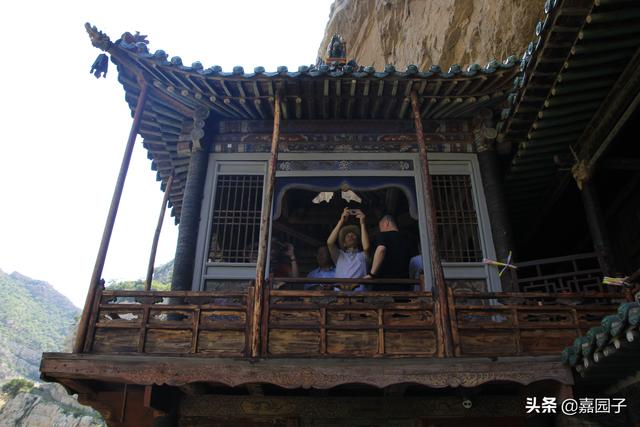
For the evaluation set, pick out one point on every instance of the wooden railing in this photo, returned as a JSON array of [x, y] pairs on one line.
[[173, 322], [573, 273], [349, 325], [513, 324], [329, 323], [342, 321]]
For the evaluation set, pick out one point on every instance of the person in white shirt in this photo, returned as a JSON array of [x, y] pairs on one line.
[[350, 261], [416, 268], [325, 269]]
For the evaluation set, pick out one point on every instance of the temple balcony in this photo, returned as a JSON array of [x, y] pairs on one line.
[[343, 323], [143, 349]]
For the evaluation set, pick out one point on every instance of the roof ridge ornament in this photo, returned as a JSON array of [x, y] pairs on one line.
[[98, 38], [337, 50], [100, 66], [127, 37]]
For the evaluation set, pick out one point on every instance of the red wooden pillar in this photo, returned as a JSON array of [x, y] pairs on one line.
[[443, 320], [265, 220]]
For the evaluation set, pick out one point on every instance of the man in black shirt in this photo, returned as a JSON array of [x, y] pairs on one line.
[[391, 255]]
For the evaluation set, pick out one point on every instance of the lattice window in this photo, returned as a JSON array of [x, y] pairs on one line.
[[236, 219], [456, 218]]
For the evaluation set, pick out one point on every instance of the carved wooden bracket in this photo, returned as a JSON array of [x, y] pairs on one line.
[[296, 373]]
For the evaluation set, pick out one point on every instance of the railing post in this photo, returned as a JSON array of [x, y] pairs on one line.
[[265, 220], [111, 218], [95, 309], [264, 328], [443, 320], [453, 317], [248, 330]]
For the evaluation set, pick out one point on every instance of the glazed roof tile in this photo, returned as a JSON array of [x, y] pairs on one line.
[[604, 350], [160, 57]]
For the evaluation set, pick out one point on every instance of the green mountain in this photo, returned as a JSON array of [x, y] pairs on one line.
[[34, 318], [161, 280], [163, 273]]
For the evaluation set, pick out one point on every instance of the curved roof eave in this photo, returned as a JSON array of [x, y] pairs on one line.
[[180, 94]]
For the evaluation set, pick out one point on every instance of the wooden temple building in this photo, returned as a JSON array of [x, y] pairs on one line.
[[531, 162]]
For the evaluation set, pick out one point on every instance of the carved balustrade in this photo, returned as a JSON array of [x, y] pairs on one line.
[[343, 321], [333, 318], [523, 323], [171, 322]]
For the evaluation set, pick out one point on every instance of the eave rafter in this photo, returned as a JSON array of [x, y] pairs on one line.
[[581, 57]]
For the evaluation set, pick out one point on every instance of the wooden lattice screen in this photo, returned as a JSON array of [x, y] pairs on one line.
[[456, 217], [236, 219]]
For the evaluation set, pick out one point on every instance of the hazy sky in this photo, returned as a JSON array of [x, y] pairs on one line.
[[64, 132]]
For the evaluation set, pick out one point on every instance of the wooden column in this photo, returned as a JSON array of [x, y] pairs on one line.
[[597, 228], [156, 235], [443, 320], [111, 219], [496, 203], [265, 220], [184, 261]]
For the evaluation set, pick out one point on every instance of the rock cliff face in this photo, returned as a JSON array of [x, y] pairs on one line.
[[47, 406], [426, 32]]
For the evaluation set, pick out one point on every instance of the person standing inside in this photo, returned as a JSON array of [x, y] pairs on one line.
[[350, 261], [390, 255]]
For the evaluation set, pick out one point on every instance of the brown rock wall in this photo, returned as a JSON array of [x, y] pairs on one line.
[[425, 32]]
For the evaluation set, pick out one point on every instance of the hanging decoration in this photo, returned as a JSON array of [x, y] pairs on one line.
[[323, 196], [503, 265]]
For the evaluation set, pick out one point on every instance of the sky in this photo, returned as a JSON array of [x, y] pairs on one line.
[[63, 132]]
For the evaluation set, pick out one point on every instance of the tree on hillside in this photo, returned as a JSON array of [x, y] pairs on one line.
[[17, 385]]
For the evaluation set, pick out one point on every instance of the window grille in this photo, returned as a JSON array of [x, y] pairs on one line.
[[236, 219], [456, 219]]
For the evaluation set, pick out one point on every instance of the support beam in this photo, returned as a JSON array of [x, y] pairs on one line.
[[156, 235], [265, 219], [189, 221], [612, 114], [597, 229], [445, 341], [111, 219]]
